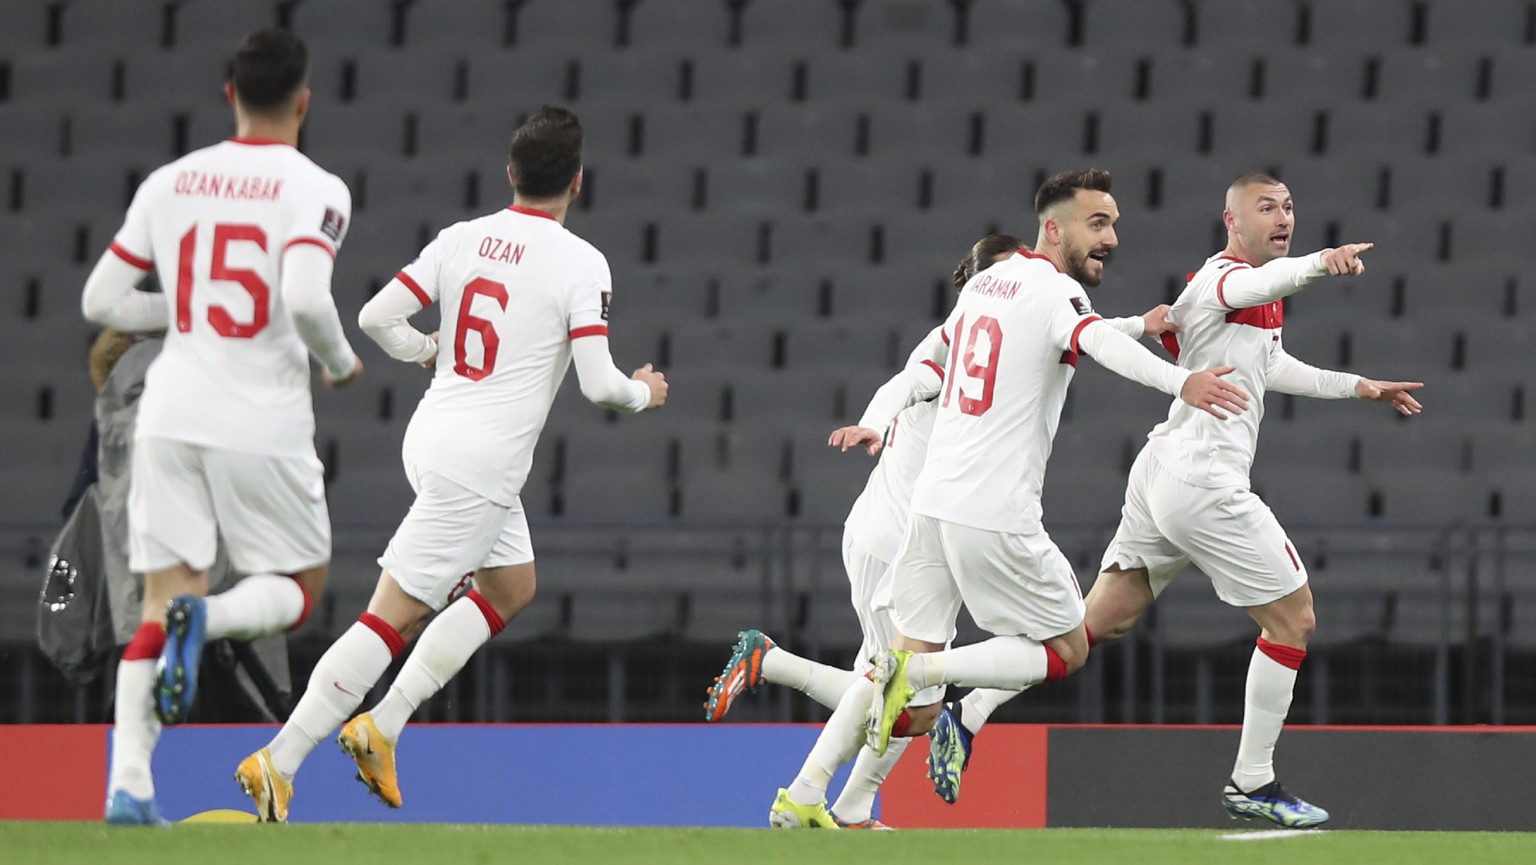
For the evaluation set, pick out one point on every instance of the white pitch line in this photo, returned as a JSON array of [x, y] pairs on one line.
[[1272, 834]]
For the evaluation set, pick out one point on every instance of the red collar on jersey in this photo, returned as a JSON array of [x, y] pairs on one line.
[[260, 142], [1236, 259], [530, 211], [1029, 253]]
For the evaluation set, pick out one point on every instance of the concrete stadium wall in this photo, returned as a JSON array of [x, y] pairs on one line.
[[1023, 776]]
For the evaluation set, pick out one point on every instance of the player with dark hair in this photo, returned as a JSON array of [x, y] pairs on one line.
[[243, 234], [1011, 346], [521, 298]]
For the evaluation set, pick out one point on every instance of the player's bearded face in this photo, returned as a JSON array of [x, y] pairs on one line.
[[1089, 238]]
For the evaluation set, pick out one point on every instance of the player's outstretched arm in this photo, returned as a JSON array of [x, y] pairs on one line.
[[603, 384], [920, 379], [306, 291], [1286, 374], [1245, 287], [1124, 356], [111, 297], [1398, 394], [385, 319]]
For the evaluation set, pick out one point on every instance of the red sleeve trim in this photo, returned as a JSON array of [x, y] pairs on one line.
[[1077, 331], [937, 370], [944, 336], [120, 251], [310, 241], [590, 330], [1221, 298], [415, 287]]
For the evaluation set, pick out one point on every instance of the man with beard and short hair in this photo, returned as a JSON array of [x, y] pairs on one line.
[[1012, 343]]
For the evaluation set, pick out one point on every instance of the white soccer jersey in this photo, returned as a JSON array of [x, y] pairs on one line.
[[879, 515], [516, 288], [214, 225], [1230, 314], [1013, 343]]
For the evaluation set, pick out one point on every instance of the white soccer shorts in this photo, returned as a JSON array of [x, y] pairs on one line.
[[1013, 584], [182, 497], [1228, 533], [869, 579], [449, 533]]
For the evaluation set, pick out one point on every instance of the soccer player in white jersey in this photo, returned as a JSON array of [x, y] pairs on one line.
[[243, 235], [521, 296], [974, 536], [1188, 497], [896, 426]]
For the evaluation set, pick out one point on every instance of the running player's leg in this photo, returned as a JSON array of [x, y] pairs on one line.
[[855, 805], [273, 517], [1235, 539], [172, 541], [756, 659], [1020, 587], [922, 585]]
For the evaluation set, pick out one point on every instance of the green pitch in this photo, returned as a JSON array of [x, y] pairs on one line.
[[378, 844]]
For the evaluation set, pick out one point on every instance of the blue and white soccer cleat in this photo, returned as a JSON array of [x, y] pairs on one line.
[[949, 752], [186, 630], [124, 810], [1271, 802]]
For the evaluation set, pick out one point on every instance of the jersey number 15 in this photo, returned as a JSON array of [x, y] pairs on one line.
[[223, 323]]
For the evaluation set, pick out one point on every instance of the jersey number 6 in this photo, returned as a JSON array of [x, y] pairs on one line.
[[489, 341], [223, 323], [986, 372]]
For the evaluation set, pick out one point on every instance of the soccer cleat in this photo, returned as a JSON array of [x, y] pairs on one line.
[[871, 823], [949, 752], [375, 756], [124, 810], [892, 694], [743, 672], [786, 813], [1271, 802], [269, 791], [186, 630]]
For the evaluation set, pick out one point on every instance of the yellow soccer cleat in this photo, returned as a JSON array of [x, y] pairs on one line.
[[892, 694], [786, 813], [375, 756], [269, 791]]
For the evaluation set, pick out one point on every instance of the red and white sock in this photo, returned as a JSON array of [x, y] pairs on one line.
[[258, 605], [135, 729], [822, 683], [341, 679], [1271, 679], [443, 650], [857, 801], [839, 741], [1008, 663]]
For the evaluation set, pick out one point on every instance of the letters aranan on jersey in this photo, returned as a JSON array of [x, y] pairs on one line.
[[229, 188], [991, 286], [496, 249]]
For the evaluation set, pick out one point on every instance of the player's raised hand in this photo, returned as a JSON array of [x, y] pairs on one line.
[[339, 383], [1207, 391], [1345, 260], [1398, 393], [1155, 321], [656, 382], [857, 436]]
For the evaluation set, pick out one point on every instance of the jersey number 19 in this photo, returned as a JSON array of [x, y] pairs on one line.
[[986, 372]]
